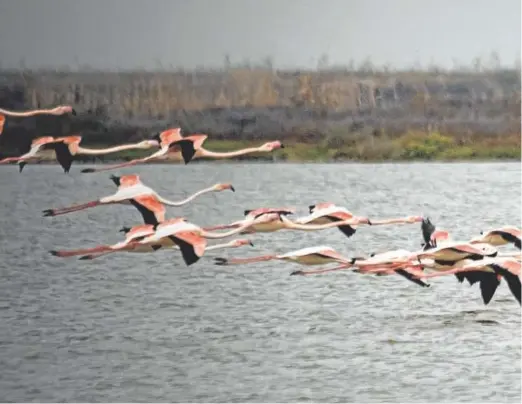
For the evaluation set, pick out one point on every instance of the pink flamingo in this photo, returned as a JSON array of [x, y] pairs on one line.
[[60, 110], [66, 148], [328, 212], [501, 236], [275, 219], [131, 191], [171, 142], [305, 256], [190, 238], [135, 233], [490, 271]]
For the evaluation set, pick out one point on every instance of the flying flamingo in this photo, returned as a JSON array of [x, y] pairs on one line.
[[132, 191], [275, 219], [492, 269], [190, 238], [171, 141], [60, 110], [387, 263], [37, 145], [501, 236], [327, 212], [135, 233], [305, 256], [66, 148]]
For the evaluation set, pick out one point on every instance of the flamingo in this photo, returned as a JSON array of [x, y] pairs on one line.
[[59, 110], [387, 263], [132, 191], [190, 238], [37, 145], [135, 233], [275, 219], [306, 256], [492, 269], [66, 148], [171, 141], [501, 236], [328, 212]]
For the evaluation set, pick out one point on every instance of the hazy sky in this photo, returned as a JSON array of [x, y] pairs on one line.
[[139, 33]]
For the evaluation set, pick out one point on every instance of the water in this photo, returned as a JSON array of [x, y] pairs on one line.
[[144, 327]]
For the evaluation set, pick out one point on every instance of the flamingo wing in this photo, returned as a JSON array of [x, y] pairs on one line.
[[188, 146], [63, 155], [191, 244], [151, 209], [509, 235], [512, 280], [488, 285], [169, 136], [428, 228]]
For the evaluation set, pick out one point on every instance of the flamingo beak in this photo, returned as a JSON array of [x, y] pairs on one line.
[[282, 146], [232, 188], [251, 244], [73, 112]]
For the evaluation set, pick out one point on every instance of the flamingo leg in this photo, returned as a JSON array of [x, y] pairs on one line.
[[71, 253], [236, 261], [74, 208], [322, 270]]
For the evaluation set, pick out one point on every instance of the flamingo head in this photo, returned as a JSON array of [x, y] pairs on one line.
[[223, 187], [241, 242], [269, 146], [148, 144], [364, 220], [413, 219], [63, 109]]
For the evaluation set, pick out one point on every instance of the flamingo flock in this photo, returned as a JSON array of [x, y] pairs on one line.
[[476, 260]]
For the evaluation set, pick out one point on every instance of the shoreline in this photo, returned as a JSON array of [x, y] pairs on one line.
[[268, 162]]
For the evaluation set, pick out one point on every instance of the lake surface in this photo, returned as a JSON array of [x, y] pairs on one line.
[[144, 327]]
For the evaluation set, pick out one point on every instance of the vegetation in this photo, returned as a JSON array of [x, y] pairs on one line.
[[330, 114]]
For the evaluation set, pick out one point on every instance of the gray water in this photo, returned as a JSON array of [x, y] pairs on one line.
[[144, 327]]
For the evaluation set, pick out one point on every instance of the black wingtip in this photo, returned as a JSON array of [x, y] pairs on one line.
[[88, 170], [115, 179], [220, 261], [85, 257], [48, 212], [21, 165], [124, 229], [53, 252], [297, 273]]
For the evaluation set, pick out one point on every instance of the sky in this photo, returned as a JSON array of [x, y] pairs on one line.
[[131, 34]]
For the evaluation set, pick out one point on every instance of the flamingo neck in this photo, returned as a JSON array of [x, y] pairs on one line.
[[388, 221], [186, 200], [213, 235], [26, 113], [224, 155], [114, 149], [288, 224]]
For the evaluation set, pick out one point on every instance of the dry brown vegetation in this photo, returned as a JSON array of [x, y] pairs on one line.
[[333, 106]]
